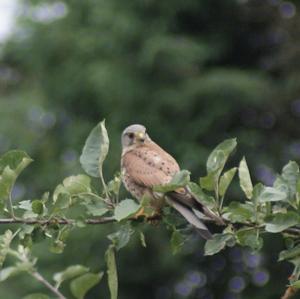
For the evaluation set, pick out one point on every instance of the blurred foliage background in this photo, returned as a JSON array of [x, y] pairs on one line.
[[193, 72]]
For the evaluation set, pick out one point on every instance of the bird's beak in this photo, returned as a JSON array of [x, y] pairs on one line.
[[140, 136]]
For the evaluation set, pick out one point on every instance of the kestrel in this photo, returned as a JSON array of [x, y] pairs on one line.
[[144, 164]]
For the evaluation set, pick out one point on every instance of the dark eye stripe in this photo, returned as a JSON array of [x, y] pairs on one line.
[[130, 135]]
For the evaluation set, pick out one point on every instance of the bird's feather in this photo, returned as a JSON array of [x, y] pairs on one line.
[[149, 165], [190, 216]]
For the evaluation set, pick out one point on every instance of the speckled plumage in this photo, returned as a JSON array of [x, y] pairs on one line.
[[145, 164]]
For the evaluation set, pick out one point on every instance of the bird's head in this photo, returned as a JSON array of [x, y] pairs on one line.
[[134, 134]]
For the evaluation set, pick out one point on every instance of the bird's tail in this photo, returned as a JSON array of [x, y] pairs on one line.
[[184, 196], [190, 216]]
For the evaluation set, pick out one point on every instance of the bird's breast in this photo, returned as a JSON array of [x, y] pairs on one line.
[[136, 190]]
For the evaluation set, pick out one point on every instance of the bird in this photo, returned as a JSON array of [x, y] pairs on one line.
[[144, 165]]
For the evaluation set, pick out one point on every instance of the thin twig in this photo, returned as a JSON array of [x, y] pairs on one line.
[[103, 183], [64, 221], [11, 207], [51, 221], [293, 230], [289, 293], [49, 286], [104, 220]]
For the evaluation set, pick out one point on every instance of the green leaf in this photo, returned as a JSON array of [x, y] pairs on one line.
[[177, 241], [269, 194], [16, 160], [143, 239], [62, 202], [272, 194], [290, 254], [239, 212], [290, 173], [215, 164], [82, 284], [76, 184], [245, 179], [125, 209], [69, 273], [25, 205], [27, 234], [73, 185], [298, 186], [171, 219], [218, 157], [215, 161], [5, 241], [95, 150], [37, 207], [282, 186], [208, 182], [250, 238], [121, 238], [257, 191], [99, 208], [114, 185], [112, 272], [296, 284], [180, 179], [289, 243], [57, 246], [282, 221], [11, 165], [7, 181], [225, 180], [9, 272], [147, 205], [200, 196], [94, 204], [36, 296], [216, 244]]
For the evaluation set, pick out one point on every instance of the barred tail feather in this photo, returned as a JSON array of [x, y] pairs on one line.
[[191, 217]]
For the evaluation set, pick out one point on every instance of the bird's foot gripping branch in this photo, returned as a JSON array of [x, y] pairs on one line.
[[261, 210]]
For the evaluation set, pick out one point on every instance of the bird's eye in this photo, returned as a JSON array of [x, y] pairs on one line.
[[130, 135]]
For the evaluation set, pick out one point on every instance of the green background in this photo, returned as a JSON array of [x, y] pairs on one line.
[[194, 72]]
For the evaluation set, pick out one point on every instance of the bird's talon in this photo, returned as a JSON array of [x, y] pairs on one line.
[[140, 213], [154, 219]]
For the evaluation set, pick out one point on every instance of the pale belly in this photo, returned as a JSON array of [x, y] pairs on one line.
[[135, 190]]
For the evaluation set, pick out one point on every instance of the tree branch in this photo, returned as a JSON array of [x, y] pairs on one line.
[[102, 220], [49, 286], [289, 293]]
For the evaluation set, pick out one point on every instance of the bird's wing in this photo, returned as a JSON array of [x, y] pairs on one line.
[[149, 167], [191, 217]]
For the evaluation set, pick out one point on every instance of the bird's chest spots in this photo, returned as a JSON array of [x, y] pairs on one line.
[[156, 159], [136, 190]]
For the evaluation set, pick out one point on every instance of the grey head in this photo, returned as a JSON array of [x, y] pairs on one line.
[[134, 134]]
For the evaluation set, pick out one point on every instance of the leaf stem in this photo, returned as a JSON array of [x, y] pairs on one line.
[[11, 207], [49, 286], [219, 208], [221, 204], [289, 293], [104, 184], [33, 272], [110, 219]]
